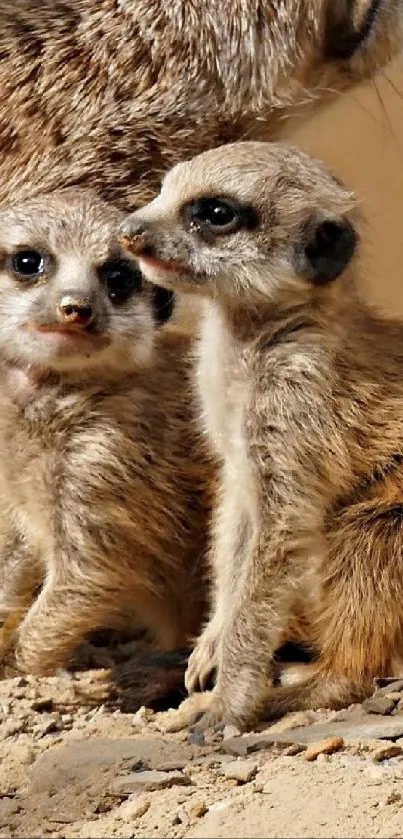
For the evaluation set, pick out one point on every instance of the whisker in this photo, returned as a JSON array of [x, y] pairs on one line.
[[394, 87], [387, 120]]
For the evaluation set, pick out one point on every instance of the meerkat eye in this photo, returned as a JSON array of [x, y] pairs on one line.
[[217, 215], [121, 278], [28, 264]]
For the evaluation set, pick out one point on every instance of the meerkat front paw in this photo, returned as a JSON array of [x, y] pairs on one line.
[[202, 662], [187, 715]]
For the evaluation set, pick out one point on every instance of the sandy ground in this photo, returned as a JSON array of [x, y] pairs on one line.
[[72, 765]]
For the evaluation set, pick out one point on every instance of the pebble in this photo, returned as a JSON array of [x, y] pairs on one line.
[[48, 726], [11, 727], [294, 749], [135, 807], [196, 737], [149, 780], [219, 805], [241, 771], [142, 716], [197, 809], [230, 731], [390, 685], [379, 703], [327, 747], [387, 751]]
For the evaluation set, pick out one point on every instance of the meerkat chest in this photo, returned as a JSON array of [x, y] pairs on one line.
[[223, 387]]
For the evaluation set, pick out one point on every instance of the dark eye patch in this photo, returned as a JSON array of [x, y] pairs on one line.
[[121, 278], [344, 40], [163, 300], [216, 215]]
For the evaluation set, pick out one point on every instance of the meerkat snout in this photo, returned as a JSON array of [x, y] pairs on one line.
[[75, 310], [261, 217]]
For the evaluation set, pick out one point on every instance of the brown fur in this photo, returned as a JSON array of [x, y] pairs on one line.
[[108, 95], [302, 397], [104, 481]]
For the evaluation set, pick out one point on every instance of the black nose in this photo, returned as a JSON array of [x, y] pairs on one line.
[[75, 309], [134, 236]]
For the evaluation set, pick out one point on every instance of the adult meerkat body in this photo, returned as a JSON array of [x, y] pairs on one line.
[[301, 393], [109, 95], [104, 484]]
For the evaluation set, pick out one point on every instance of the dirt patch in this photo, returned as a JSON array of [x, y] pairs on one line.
[[72, 766]]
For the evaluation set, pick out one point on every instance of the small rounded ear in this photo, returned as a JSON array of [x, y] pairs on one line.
[[163, 301], [324, 249]]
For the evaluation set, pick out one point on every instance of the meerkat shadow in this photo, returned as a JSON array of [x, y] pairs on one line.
[[157, 680]]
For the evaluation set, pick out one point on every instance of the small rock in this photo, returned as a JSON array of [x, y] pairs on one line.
[[219, 805], [134, 808], [8, 807], [48, 726], [20, 682], [196, 737], [107, 803], [197, 809], [140, 766], [79, 759], [367, 727], [11, 727], [389, 685], [322, 758], [230, 731], [379, 703], [142, 716], [294, 749], [241, 771], [386, 751], [327, 747], [149, 780]]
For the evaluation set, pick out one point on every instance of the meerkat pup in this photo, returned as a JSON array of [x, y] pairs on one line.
[[103, 500], [301, 387]]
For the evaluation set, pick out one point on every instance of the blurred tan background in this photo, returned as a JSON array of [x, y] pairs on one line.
[[361, 139]]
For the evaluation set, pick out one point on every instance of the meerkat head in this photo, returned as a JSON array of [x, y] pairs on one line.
[[70, 299], [356, 39], [249, 223], [317, 48]]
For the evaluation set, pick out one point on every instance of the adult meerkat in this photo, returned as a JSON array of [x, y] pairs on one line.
[[103, 482], [109, 95], [302, 397]]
